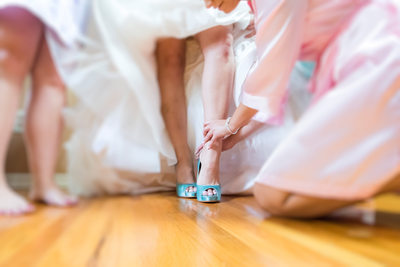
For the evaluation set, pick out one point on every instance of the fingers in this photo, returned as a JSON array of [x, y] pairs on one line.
[[206, 130], [225, 7], [227, 144], [208, 3], [198, 150], [249, 35], [217, 3], [213, 3], [208, 137], [214, 142], [252, 30]]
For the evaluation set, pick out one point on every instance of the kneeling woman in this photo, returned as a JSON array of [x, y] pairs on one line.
[[346, 147]]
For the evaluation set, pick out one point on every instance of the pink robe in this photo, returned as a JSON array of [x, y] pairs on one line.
[[347, 145]]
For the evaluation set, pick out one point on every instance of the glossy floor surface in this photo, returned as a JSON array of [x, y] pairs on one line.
[[162, 230]]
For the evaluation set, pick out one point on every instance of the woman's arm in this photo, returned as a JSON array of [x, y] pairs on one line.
[[244, 132], [280, 26], [219, 129]]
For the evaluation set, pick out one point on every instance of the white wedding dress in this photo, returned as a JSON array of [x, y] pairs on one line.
[[119, 143]]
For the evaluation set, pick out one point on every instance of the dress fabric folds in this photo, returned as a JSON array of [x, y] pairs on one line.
[[119, 143]]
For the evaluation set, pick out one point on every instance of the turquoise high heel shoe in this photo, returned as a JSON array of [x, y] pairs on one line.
[[181, 190], [202, 188]]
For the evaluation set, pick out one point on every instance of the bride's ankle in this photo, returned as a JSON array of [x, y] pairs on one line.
[[184, 172], [209, 173], [211, 155]]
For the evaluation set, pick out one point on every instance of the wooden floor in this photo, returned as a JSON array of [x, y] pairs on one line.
[[162, 230]]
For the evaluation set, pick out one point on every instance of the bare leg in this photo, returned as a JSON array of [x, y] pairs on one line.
[[288, 204], [216, 45], [171, 64], [19, 36], [44, 129]]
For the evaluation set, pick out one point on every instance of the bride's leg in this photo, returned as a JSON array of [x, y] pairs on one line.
[[20, 33], [170, 67], [216, 45], [44, 129]]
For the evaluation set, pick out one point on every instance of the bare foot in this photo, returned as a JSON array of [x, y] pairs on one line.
[[184, 175], [53, 196], [13, 204], [209, 174]]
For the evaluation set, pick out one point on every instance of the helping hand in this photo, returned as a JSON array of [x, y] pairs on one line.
[[227, 144], [251, 29], [223, 5], [213, 132]]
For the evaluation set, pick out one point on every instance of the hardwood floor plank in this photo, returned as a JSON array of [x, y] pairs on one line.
[[296, 247], [78, 241], [163, 230], [145, 236]]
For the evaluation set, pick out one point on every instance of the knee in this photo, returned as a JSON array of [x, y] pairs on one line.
[[271, 201], [13, 66], [47, 79], [171, 59], [220, 49]]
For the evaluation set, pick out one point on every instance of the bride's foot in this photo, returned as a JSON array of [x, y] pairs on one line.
[[209, 174], [184, 175], [13, 204], [52, 195]]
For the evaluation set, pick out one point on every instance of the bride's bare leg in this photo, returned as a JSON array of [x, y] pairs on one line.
[[19, 36], [170, 68], [216, 45], [44, 129]]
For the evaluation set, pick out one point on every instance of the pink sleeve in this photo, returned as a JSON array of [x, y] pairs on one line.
[[279, 25]]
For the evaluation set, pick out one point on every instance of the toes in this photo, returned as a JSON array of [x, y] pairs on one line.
[[210, 192], [62, 202], [191, 189], [69, 201], [16, 206], [18, 210], [56, 197], [30, 208], [24, 209], [72, 201]]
